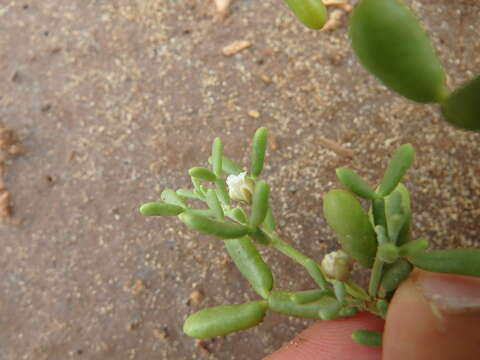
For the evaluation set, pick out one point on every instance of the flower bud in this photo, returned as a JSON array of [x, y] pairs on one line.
[[337, 265], [240, 187]]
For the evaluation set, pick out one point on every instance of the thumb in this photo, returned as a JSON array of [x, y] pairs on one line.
[[434, 316]]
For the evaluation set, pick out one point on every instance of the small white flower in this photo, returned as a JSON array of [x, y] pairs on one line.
[[240, 187], [337, 265]]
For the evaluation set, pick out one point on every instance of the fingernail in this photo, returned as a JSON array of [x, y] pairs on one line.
[[450, 294]]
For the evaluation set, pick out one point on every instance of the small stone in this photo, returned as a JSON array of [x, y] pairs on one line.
[[222, 7], [266, 79], [333, 21], [254, 114], [236, 47], [340, 3], [6, 210], [196, 297], [15, 149]]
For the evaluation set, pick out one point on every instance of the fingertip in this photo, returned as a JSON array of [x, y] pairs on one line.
[[331, 340]]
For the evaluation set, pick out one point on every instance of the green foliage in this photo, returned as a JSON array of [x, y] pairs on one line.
[[354, 183], [281, 301], [462, 107], [308, 296], [367, 337], [243, 217], [251, 265], [217, 154], [397, 167], [206, 225], [393, 276], [311, 13], [454, 261], [392, 45], [224, 319], [160, 209], [202, 174], [259, 147], [354, 232], [259, 204]]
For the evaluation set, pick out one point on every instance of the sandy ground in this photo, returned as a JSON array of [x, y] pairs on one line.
[[112, 101]]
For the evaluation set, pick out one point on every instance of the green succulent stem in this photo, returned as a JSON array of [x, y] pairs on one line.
[[375, 277], [309, 264]]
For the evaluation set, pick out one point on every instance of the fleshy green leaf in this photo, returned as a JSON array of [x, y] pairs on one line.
[[217, 153], [171, 197], [186, 193], [387, 252], [229, 166], [258, 151], [222, 191], [462, 107], [353, 182], [239, 214], [221, 229], [259, 203], [454, 261], [347, 218], [367, 337], [250, 264], [413, 248], [311, 13], [214, 204], [393, 276], [224, 319], [281, 301], [397, 167], [202, 174], [308, 296], [160, 209]]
